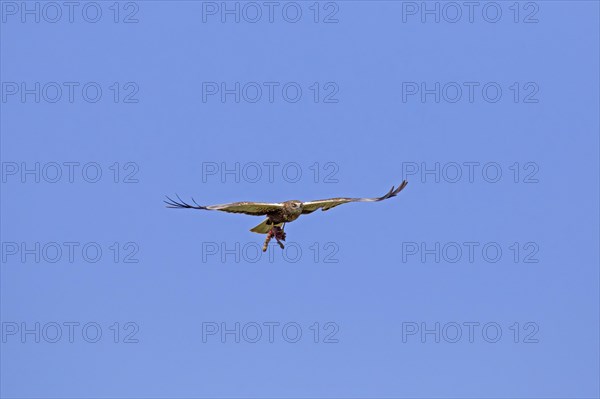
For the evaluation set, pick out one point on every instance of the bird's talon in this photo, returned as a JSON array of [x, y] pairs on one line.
[[270, 235]]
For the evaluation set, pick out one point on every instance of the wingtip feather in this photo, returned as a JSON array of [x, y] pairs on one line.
[[171, 203]]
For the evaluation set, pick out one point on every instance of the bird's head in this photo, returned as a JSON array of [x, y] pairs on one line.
[[294, 205]]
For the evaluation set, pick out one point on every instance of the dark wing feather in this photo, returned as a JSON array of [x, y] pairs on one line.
[[248, 208], [325, 204]]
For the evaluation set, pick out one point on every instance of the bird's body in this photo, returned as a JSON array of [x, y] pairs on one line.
[[290, 211], [280, 213]]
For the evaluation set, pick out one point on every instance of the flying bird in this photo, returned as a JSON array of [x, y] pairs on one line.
[[279, 213]]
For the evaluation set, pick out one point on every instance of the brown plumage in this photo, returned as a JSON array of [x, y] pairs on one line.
[[279, 213]]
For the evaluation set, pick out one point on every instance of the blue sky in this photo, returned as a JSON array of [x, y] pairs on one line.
[[479, 280]]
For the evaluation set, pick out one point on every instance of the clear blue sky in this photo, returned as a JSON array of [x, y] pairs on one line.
[[479, 280]]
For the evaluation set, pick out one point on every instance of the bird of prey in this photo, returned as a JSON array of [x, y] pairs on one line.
[[279, 213]]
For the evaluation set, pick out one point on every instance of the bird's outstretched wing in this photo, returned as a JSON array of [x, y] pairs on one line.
[[325, 204], [249, 208]]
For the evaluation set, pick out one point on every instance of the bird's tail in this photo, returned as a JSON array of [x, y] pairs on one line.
[[264, 227]]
